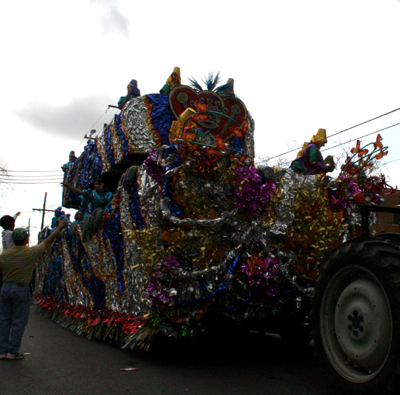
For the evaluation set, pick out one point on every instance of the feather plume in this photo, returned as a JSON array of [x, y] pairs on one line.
[[195, 85], [211, 81]]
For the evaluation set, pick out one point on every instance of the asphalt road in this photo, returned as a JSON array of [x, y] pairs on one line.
[[61, 362]]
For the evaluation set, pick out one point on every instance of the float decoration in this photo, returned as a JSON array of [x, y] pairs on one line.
[[194, 227]]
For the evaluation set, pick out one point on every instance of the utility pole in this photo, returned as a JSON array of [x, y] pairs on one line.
[[43, 210]]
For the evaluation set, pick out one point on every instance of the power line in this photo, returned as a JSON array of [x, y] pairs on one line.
[[32, 176], [31, 183], [396, 160], [29, 179], [344, 130], [32, 211], [42, 177], [32, 171], [27, 212], [362, 123], [357, 138], [55, 205], [377, 131]]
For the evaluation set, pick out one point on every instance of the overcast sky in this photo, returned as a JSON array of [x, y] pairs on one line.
[[297, 65]]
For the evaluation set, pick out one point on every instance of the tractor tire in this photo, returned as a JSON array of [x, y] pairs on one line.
[[356, 317]]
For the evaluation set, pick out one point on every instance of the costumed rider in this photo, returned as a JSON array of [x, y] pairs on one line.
[[58, 215], [133, 91], [173, 80], [226, 89], [309, 160], [92, 198], [72, 159], [78, 217]]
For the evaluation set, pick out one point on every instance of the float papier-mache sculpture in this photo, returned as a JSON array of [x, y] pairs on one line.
[[195, 229]]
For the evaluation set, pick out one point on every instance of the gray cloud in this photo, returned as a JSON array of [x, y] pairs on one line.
[[113, 19], [71, 121]]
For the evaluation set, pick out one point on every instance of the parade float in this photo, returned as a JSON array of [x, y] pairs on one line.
[[196, 230]]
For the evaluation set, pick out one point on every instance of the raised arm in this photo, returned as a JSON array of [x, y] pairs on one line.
[[73, 189], [122, 103]]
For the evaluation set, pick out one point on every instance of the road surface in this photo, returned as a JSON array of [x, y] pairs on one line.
[[63, 363]]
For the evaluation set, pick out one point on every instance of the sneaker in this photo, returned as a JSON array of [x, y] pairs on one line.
[[14, 356], [3, 356]]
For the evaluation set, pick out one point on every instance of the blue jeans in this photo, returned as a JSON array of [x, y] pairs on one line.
[[15, 304]]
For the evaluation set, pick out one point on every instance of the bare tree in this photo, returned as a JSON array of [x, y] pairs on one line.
[[4, 186]]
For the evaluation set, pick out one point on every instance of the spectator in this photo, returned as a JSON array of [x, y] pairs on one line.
[[8, 223], [17, 265]]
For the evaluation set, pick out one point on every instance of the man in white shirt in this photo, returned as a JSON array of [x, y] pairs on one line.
[[8, 223]]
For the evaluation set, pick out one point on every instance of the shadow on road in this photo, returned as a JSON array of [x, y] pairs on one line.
[[228, 363]]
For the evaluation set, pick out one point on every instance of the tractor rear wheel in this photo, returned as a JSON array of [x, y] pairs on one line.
[[356, 317]]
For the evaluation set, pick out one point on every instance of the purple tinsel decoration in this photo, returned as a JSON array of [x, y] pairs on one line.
[[153, 289], [171, 261], [251, 194], [158, 297], [153, 167], [267, 273], [353, 187], [346, 201]]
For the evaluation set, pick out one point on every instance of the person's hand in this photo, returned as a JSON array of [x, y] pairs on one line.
[[63, 222], [329, 164], [106, 201], [19, 213]]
